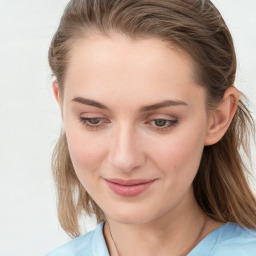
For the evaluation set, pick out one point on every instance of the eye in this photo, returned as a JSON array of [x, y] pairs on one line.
[[94, 123], [162, 124]]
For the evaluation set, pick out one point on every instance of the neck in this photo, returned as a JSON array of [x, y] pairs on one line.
[[174, 232]]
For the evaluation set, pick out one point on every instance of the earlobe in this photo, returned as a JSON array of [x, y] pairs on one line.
[[221, 117], [56, 93]]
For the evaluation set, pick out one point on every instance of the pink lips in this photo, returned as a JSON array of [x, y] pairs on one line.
[[129, 188]]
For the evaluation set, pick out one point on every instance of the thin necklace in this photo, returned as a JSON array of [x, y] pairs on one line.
[[183, 254], [113, 240], [197, 240]]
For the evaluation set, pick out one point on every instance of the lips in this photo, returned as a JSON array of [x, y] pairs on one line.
[[129, 188], [129, 182]]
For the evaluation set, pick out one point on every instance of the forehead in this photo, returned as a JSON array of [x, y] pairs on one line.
[[117, 64]]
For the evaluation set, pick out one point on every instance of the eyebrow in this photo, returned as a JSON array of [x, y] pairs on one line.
[[89, 102], [164, 104]]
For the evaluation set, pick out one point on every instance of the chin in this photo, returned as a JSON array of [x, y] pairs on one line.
[[131, 220], [130, 216]]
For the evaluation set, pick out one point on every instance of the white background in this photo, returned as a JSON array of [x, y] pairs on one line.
[[30, 119]]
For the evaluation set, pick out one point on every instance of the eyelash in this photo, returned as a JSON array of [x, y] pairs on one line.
[[86, 122], [172, 123]]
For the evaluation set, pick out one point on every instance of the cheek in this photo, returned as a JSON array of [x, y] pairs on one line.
[[86, 152], [179, 155]]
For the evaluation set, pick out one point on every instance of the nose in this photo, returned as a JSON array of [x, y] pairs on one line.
[[126, 153]]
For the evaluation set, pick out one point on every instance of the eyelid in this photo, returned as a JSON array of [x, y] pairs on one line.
[[161, 116], [92, 115], [90, 126], [170, 122]]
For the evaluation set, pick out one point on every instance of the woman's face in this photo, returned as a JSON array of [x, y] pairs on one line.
[[136, 124]]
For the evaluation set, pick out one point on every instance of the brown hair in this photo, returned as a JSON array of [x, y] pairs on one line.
[[221, 185]]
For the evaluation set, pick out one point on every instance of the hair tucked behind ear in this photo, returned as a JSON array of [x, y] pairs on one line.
[[221, 186]]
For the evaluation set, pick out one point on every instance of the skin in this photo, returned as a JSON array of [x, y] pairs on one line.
[[125, 75]]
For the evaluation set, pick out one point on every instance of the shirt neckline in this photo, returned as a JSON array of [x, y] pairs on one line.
[[208, 242]]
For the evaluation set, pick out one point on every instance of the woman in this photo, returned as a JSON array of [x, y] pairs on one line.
[[153, 127]]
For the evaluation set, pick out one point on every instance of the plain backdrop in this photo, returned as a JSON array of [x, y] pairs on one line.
[[30, 119]]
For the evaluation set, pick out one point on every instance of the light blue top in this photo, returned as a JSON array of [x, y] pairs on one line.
[[227, 240]]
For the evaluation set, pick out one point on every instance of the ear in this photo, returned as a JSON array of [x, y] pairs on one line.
[[56, 91], [221, 117]]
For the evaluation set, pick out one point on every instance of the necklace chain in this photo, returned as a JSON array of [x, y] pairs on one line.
[[183, 254], [197, 240], [113, 240]]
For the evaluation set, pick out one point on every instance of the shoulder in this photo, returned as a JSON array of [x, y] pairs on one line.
[[235, 241], [90, 244], [229, 240]]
